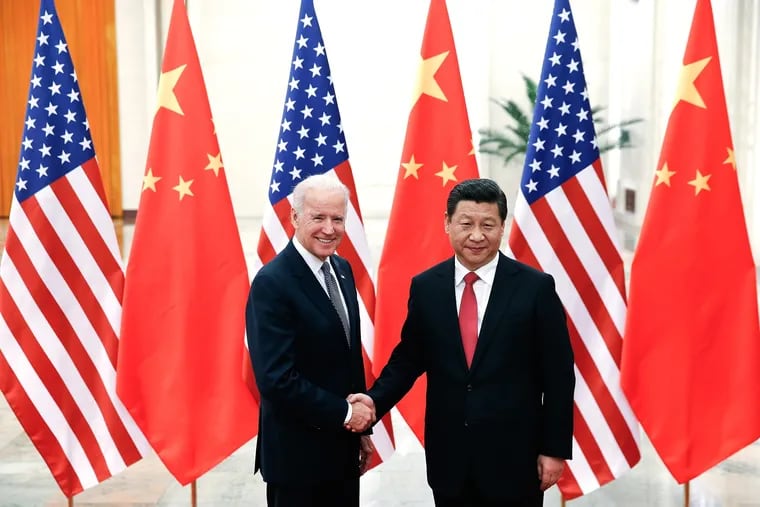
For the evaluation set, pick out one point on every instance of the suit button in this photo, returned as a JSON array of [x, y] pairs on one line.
[[466, 424], [469, 387]]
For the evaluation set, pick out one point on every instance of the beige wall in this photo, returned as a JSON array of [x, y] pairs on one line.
[[631, 51]]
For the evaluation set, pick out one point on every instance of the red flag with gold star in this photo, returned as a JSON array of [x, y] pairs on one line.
[[691, 354], [186, 284], [438, 153]]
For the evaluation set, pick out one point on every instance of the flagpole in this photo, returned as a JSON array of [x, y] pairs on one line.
[[686, 494], [118, 224], [563, 502], [193, 494], [71, 501]]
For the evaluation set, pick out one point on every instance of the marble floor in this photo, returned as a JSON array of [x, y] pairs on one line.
[[26, 482]]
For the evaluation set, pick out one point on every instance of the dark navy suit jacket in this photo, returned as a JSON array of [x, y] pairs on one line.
[[304, 370], [491, 421]]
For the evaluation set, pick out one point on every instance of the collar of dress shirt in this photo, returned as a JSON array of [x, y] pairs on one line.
[[487, 272], [314, 262]]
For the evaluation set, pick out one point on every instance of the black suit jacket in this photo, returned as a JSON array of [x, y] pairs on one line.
[[304, 370], [491, 421]]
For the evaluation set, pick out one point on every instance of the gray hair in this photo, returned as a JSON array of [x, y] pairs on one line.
[[325, 181]]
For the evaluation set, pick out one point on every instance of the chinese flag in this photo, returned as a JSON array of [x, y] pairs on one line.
[[186, 283], [691, 354], [438, 153]]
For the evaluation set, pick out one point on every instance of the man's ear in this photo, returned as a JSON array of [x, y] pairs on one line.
[[294, 217], [446, 222]]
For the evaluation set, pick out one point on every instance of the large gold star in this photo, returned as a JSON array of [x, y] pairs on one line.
[[447, 173], [687, 90], [730, 159], [426, 82], [214, 163], [663, 175], [184, 188], [411, 168], [700, 182], [166, 97], [149, 181]]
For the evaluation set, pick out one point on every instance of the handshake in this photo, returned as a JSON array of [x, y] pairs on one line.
[[362, 413]]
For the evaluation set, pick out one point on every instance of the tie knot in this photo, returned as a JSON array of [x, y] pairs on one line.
[[471, 278], [326, 268]]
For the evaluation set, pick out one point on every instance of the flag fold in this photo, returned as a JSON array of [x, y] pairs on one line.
[[438, 153], [563, 225], [61, 284], [311, 141], [691, 359], [182, 335]]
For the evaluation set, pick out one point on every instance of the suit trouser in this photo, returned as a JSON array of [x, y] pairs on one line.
[[470, 496], [341, 493]]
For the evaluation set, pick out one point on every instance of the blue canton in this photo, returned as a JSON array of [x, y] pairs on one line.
[[562, 139], [311, 139], [56, 136]]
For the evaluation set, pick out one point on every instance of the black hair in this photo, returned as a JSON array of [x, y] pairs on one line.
[[478, 190]]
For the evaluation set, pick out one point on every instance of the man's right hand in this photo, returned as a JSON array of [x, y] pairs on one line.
[[362, 413]]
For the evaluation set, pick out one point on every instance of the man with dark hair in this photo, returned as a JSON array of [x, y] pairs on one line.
[[491, 335]]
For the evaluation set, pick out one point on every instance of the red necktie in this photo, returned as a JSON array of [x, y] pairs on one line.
[[468, 317]]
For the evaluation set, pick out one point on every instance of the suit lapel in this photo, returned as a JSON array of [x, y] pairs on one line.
[[305, 278], [502, 292], [313, 290]]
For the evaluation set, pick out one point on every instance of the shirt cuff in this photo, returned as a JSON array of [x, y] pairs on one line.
[[349, 413]]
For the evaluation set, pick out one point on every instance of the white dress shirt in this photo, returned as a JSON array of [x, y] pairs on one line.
[[315, 265], [481, 287]]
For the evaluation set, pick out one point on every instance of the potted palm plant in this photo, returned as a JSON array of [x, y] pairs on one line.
[[512, 140]]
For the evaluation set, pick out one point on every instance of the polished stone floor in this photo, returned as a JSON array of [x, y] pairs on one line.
[[26, 482]]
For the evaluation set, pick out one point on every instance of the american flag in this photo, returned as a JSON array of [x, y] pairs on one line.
[[311, 141], [61, 283], [563, 224]]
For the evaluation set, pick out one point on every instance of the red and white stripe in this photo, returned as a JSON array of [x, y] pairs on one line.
[[61, 282], [276, 231], [570, 233]]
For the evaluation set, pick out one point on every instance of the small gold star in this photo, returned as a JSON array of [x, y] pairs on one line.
[[700, 182], [411, 168], [447, 173], [472, 143], [687, 90], [184, 188], [149, 181], [426, 82], [166, 97], [214, 163], [730, 159], [663, 175]]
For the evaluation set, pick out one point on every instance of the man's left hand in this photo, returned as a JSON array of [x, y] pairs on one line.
[[549, 470], [366, 450]]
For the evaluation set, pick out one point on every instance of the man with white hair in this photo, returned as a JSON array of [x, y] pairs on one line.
[[302, 320]]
